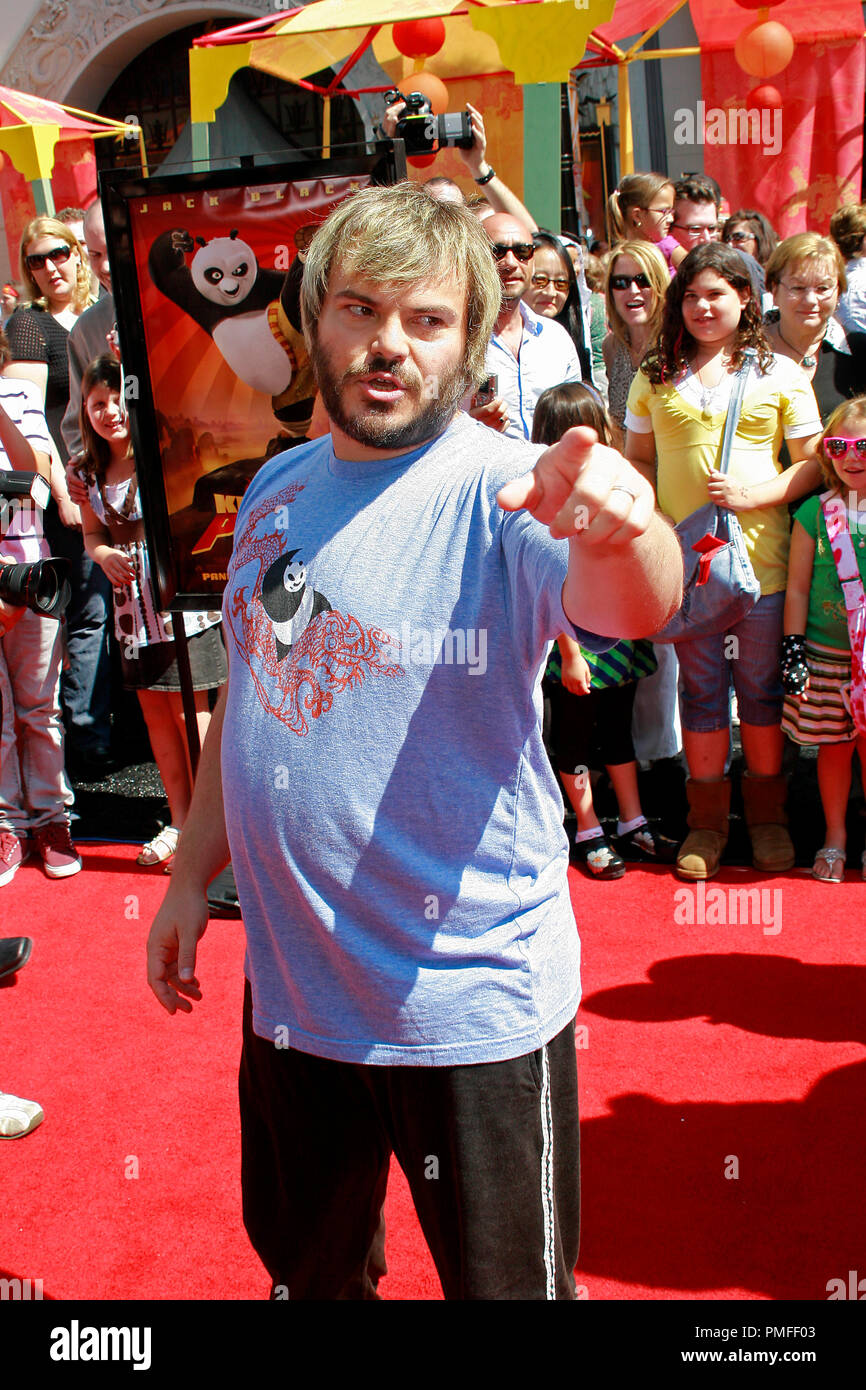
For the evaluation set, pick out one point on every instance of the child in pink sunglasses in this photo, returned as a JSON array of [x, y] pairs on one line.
[[825, 626]]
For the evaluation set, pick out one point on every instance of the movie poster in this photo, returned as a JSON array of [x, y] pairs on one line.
[[206, 270]]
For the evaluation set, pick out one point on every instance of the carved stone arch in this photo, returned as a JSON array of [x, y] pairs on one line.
[[73, 50]]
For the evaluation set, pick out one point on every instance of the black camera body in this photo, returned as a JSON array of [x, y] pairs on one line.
[[43, 585], [422, 132]]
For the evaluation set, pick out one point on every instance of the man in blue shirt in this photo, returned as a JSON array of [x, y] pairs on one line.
[[392, 819], [527, 353]]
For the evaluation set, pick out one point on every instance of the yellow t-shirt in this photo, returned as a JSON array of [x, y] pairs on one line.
[[780, 404]]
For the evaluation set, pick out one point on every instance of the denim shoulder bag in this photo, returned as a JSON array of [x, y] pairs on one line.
[[719, 584]]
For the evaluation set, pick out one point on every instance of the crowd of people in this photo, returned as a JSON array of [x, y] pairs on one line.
[[685, 300], [655, 328], [408, 919]]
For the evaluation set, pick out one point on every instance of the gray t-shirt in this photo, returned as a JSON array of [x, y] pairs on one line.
[[395, 827]]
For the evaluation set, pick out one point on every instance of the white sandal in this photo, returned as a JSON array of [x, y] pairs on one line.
[[160, 848], [829, 856]]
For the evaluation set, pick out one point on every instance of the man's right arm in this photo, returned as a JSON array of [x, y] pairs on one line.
[[201, 853], [497, 192]]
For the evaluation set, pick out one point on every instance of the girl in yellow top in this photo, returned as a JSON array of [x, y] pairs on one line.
[[675, 418]]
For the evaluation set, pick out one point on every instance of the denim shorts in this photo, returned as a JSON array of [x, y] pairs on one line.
[[750, 656]]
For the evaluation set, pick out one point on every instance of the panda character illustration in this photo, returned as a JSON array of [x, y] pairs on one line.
[[289, 604], [234, 299]]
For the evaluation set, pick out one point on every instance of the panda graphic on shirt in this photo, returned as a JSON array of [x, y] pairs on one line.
[[289, 603]]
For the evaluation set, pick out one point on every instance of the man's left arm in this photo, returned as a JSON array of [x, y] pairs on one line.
[[625, 569]]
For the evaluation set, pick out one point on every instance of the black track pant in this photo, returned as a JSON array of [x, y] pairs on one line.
[[490, 1152]]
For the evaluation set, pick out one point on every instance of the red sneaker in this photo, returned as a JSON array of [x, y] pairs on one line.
[[13, 852], [59, 856]]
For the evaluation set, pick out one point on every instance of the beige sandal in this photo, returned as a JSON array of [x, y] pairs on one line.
[[829, 856], [160, 848]]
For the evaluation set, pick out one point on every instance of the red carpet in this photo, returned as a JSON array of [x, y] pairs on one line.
[[708, 1049]]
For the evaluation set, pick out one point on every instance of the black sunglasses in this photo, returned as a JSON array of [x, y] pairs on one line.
[[523, 250], [58, 255], [625, 282]]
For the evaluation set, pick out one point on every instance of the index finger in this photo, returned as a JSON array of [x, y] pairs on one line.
[[576, 446]]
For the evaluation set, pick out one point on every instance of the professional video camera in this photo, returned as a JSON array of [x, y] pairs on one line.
[[43, 585], [422, 131]]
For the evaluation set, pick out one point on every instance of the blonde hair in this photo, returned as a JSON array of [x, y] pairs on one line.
[[635, 191], [653, 265], [799, 249], [842, 413], [400, 235], [49, 226]]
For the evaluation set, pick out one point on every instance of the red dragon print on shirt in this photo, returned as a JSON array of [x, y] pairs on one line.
[[298, 674]]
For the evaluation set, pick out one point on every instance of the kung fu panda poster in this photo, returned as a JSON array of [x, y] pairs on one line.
[[206, 270]]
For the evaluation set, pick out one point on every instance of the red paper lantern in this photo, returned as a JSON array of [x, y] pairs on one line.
[[764, 48], [418, 38], [420, 161], [765, 97], [431, 87]]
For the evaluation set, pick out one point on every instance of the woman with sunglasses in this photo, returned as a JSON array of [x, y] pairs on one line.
[[636, 282], [635, 287], [749, 231], [554, 294], [57, 280], [56, 277]]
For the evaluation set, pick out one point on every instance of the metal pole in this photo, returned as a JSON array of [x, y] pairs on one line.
[[187, 693]]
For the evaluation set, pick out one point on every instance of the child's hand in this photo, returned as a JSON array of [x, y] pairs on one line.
[[576, 675], [117, 568], [795, 672], [727, 493]]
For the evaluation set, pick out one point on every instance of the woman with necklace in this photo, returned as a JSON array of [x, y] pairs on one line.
[[676, 414], [806, 275]]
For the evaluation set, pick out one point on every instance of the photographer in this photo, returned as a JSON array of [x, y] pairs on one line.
[[34, 792], [497, 193]]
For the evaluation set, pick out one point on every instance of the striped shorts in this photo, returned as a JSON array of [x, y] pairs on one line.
[[820, 715]]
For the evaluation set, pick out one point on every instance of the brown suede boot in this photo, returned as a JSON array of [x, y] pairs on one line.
[[764, 807], [709, 806]]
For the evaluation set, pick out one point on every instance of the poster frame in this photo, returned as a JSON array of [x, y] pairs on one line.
[[382, 161]]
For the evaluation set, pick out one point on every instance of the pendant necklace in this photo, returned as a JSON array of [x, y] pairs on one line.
[[709, 394], [810, 360]]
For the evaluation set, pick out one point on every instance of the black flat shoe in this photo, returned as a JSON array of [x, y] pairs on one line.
[[599, 857], [14, 952], [647, 846]]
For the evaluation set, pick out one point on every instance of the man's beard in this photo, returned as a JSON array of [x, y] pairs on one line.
[[375, 428]]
